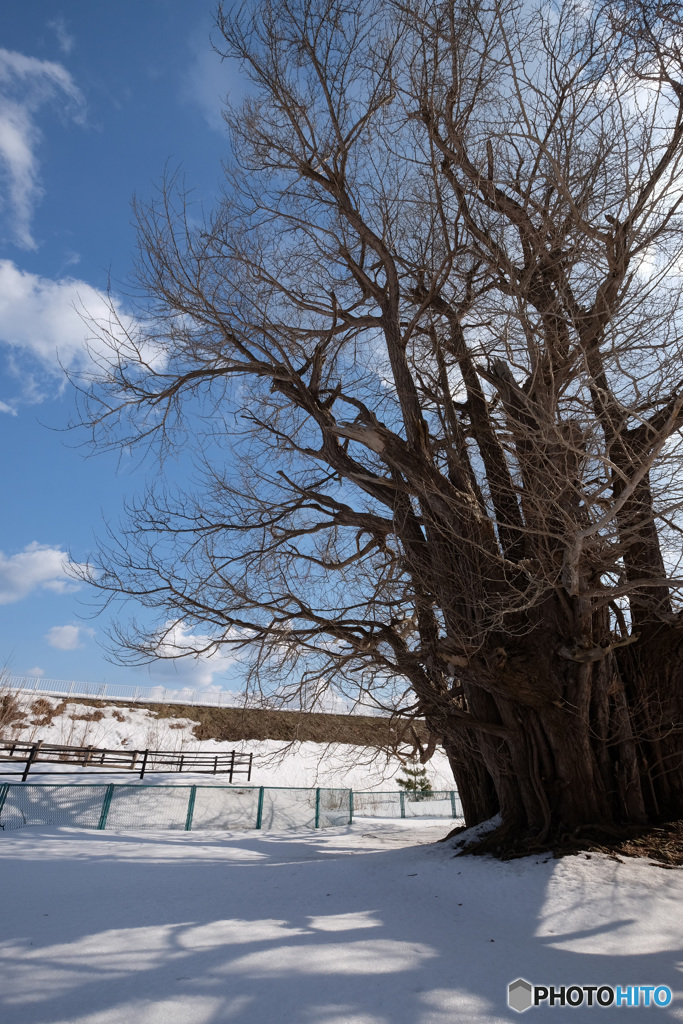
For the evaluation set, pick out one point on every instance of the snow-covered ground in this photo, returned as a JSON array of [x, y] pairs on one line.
[[374, 923], [276, 763], [370, 924]]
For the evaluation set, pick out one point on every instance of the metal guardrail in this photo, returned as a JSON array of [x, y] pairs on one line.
[[122, 691], [159, 695], [228, 763]]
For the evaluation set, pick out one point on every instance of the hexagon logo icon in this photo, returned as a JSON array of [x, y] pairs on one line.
[[519, 995]]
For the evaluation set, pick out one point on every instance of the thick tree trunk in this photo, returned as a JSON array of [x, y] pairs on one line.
[[474, 781], [606, 752], [653, 670]]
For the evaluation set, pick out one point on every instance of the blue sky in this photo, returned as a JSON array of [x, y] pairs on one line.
[[95, 100]]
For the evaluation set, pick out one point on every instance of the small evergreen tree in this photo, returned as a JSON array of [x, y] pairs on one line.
[[416, 782]]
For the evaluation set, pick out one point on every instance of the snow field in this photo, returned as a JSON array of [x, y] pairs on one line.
[[370, 924], [375, 923]]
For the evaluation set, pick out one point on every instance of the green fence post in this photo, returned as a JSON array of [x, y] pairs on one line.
[[455, 813], [350, 807], [259, 812], [190, 808], [317, 808], [106, 804], [403, 803]]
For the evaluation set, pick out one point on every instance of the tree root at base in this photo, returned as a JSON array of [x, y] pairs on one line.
[[662, 843]]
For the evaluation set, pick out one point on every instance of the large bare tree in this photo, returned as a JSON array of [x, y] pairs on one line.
[[426, 355]]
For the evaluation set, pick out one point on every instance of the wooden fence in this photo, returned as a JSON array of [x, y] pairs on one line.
[[97, 759]]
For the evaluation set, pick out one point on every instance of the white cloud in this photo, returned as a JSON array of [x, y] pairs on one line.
[[194, 671], [34, 673], [44, 319], [209, 79], [64, 38], [27, 84], [67, 638], [37, 567]]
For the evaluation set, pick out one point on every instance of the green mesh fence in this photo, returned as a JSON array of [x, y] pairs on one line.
[[437, 804], [125, 806], [171, 807], [137, 807], [215, 806], [80, 806]]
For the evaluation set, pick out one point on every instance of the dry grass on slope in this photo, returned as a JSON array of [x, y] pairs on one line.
[[234, 724]]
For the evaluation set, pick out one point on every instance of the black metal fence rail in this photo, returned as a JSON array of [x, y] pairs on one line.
[[98, 759]]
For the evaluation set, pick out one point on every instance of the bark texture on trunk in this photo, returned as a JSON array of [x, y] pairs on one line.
[[475, 784], [607, 749], [653, 674]]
